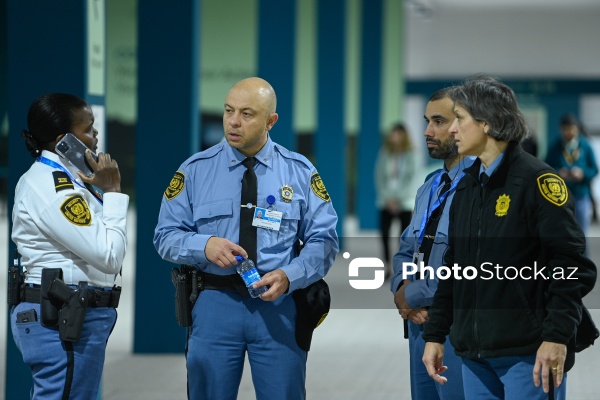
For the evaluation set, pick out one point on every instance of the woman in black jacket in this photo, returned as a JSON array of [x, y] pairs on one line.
[[516, 252]]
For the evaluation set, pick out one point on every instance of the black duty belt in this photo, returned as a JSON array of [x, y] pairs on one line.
[[96, 298], [222, 282]]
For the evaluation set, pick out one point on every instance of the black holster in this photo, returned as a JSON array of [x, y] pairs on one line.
[[49, 306], [188, 284], [72, 314]]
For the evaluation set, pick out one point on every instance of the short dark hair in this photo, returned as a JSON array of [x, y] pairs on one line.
[[441, 94], [489, 100], [50, 115], [568, 120]]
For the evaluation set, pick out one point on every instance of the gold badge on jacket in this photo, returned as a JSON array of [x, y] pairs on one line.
[[553, 188], [175, 186], [76, 210], [502, 205], [287, 193], [318, 187]]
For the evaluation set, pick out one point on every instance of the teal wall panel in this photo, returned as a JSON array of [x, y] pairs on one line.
[[167, 133]]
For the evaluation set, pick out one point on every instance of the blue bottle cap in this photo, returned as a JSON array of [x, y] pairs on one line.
[[239, 258], [271, 199]]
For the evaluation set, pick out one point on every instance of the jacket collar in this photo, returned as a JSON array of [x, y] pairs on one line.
[[498, 178]]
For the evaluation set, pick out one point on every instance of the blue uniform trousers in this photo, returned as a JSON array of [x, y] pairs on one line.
[[583, 213], [422, 386], [55, 365], [505, 378], [226, 326]]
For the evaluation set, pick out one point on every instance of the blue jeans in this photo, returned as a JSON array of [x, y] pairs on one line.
[[57, 367], [583, 212], [505, 378], [422, 387], [225, 327]]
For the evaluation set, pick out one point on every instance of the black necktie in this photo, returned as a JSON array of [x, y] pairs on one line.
[[431, 229], [249, 196], [484, 178], [434, 219]]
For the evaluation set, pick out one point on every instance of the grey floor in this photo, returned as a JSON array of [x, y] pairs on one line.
[[357, 353]]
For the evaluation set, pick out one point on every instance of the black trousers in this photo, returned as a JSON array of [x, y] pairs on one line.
[[386, 218]]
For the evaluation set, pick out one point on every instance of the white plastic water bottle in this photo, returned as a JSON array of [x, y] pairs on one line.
[[250, 275]]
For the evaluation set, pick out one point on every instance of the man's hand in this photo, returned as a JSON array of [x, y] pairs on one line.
[[222, 252], [419, 316], [550, 359], [433, 357], [278, 283], [577, 174], [404, 309]]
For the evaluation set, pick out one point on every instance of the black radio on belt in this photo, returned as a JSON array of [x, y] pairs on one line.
[[15, 280], [188, 285]]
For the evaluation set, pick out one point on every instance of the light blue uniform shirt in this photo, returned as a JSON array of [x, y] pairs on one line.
[[205, 201], [492, 167], [420, 293]]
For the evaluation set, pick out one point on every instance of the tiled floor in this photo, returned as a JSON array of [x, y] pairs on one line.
[[357, 353]]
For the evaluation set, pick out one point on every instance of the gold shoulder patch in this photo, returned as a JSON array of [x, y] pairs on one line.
[[175, 186], [76, 210], [502, 205], [318, 187], [553, 188]]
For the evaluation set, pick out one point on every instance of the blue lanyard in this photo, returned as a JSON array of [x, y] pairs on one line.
[[438, 202], [56, 165]]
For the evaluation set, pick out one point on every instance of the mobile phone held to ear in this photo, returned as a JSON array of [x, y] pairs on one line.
[[73, 150]]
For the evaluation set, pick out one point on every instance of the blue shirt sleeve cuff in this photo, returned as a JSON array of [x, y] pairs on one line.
[[413, 295], [201, 241]]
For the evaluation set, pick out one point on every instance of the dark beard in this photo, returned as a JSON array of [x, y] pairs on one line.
[[445, 150]]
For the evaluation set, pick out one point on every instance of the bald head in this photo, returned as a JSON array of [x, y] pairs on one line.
[[261, 90], [249, 115]]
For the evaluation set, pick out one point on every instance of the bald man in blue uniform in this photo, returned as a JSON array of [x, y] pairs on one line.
[[199, 225]]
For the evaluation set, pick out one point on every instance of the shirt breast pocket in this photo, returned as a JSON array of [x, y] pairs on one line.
[[212, 218], [276, 241]]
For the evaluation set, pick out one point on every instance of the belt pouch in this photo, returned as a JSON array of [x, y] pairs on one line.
[[72, 314], [183, 289], [312, 306], [48, 306], [115, 296], [15, 280]]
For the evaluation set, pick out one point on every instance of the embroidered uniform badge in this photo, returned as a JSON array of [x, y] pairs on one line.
[[318, 187], [553, 188], [502, 205], [175, 186], [76, 210]]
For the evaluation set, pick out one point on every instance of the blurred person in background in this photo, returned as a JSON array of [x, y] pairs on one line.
[[574, 160], [395, 171]]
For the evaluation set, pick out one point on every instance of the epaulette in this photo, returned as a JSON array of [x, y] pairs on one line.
[[293, 155], [203, 155], [62, 181]]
